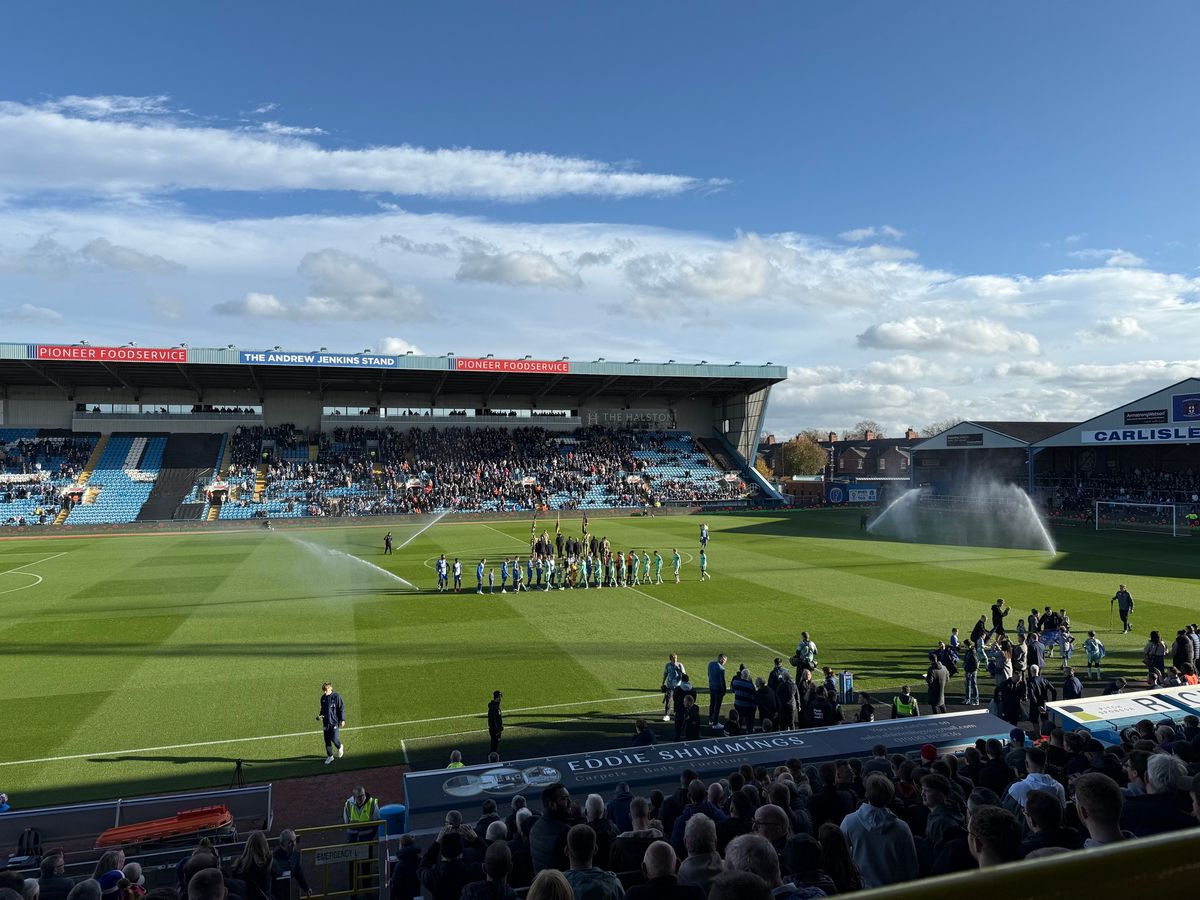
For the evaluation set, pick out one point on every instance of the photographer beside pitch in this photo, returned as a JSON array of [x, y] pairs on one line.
[[332, 717]]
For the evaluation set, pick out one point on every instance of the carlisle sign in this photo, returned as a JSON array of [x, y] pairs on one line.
[[1177, 434]]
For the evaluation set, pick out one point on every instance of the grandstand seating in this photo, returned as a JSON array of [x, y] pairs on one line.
[[37, 466], [461, 469], [121, 481]]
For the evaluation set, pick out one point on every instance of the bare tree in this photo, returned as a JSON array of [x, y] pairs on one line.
[[860, 429], [939, 426]]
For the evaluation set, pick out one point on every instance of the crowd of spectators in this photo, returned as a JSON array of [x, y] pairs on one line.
[[1075, 496], [819, 830], [366, 471]]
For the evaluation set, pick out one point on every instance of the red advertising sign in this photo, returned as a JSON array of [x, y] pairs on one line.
[[112, 354], [533, 366]]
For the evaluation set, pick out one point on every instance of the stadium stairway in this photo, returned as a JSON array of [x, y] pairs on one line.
[[719, 448], [86, 475], [186, 459], [260, 482]]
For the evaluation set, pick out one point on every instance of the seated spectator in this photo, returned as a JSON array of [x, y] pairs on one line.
[[1159, 810], [497, 864], [207, 884], [629, 849], [698, 802], [1036, 780], [606, 833], [442, 871], [741, 816], [550, 884], [994, 836], [489, 815], [703, 862], [52, 883], [772, 823], [754, 854], [882, 845], [805, 860], [1099, 803], [522, 860], [739, 886], [1043, 819], [587, 881], [658, 866], [405, 882]]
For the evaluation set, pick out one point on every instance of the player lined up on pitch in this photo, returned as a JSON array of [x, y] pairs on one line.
[[566, 562]]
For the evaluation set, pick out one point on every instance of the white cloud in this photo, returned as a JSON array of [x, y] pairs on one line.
[[1115, 329], [516, 268], [858, 235], [290, 130], [1115, 258], [341, 287], [398, 347], [784, 270], [27, 312], [1028, 368], [89, 145], [935, 333], [117, 257], [904, 367]]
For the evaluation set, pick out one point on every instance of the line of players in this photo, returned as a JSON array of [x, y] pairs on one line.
[[569, 563]]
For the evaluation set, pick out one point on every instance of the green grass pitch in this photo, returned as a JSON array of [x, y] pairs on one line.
[[150, 662]]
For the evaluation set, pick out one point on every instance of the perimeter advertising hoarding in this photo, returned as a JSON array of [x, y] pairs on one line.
[[518, 366], [71, 353], [429, 794], [1099, 715]]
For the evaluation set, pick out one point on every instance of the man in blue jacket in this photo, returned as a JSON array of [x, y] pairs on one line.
[[716, 688]]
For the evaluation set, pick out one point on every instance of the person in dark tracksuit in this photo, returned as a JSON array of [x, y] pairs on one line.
[[332, 717], [998, 613], [495, 721]]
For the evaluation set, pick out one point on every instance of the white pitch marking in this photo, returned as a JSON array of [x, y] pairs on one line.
[[38, 579], [293, 734]]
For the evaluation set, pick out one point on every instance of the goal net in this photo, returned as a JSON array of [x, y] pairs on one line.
[[1162, 518]]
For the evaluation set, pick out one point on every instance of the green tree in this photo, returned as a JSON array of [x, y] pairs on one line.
[[802, 456]]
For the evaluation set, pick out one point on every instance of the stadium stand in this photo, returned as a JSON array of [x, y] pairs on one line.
[[37, 467], [121, 481]]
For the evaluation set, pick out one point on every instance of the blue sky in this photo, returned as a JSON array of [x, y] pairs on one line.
[[926, 210]]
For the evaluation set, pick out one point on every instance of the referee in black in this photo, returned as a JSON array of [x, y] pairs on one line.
[[495, 721]]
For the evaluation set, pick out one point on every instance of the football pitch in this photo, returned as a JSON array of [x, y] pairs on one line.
[[151, 662]]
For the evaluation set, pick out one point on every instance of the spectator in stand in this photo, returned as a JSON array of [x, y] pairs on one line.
[[1099, 803], [52, 882], [658, 866], [703, 862], [1159, 810], [994, 836], [754, 854], [207, 884], [630, 846], [831, 802], [253, 867], [548, 839], [606, 832], [442, 871], [943, 824], [588, 881], [89, 889], [882, 845], [550, 884], [405, 882], [739, 886], [1043, 819], [497, 865], [1036, 780]]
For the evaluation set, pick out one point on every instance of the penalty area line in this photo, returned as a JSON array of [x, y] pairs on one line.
[[296, 734]]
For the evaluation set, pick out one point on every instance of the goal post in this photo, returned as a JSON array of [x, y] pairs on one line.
[[1158, 518]]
